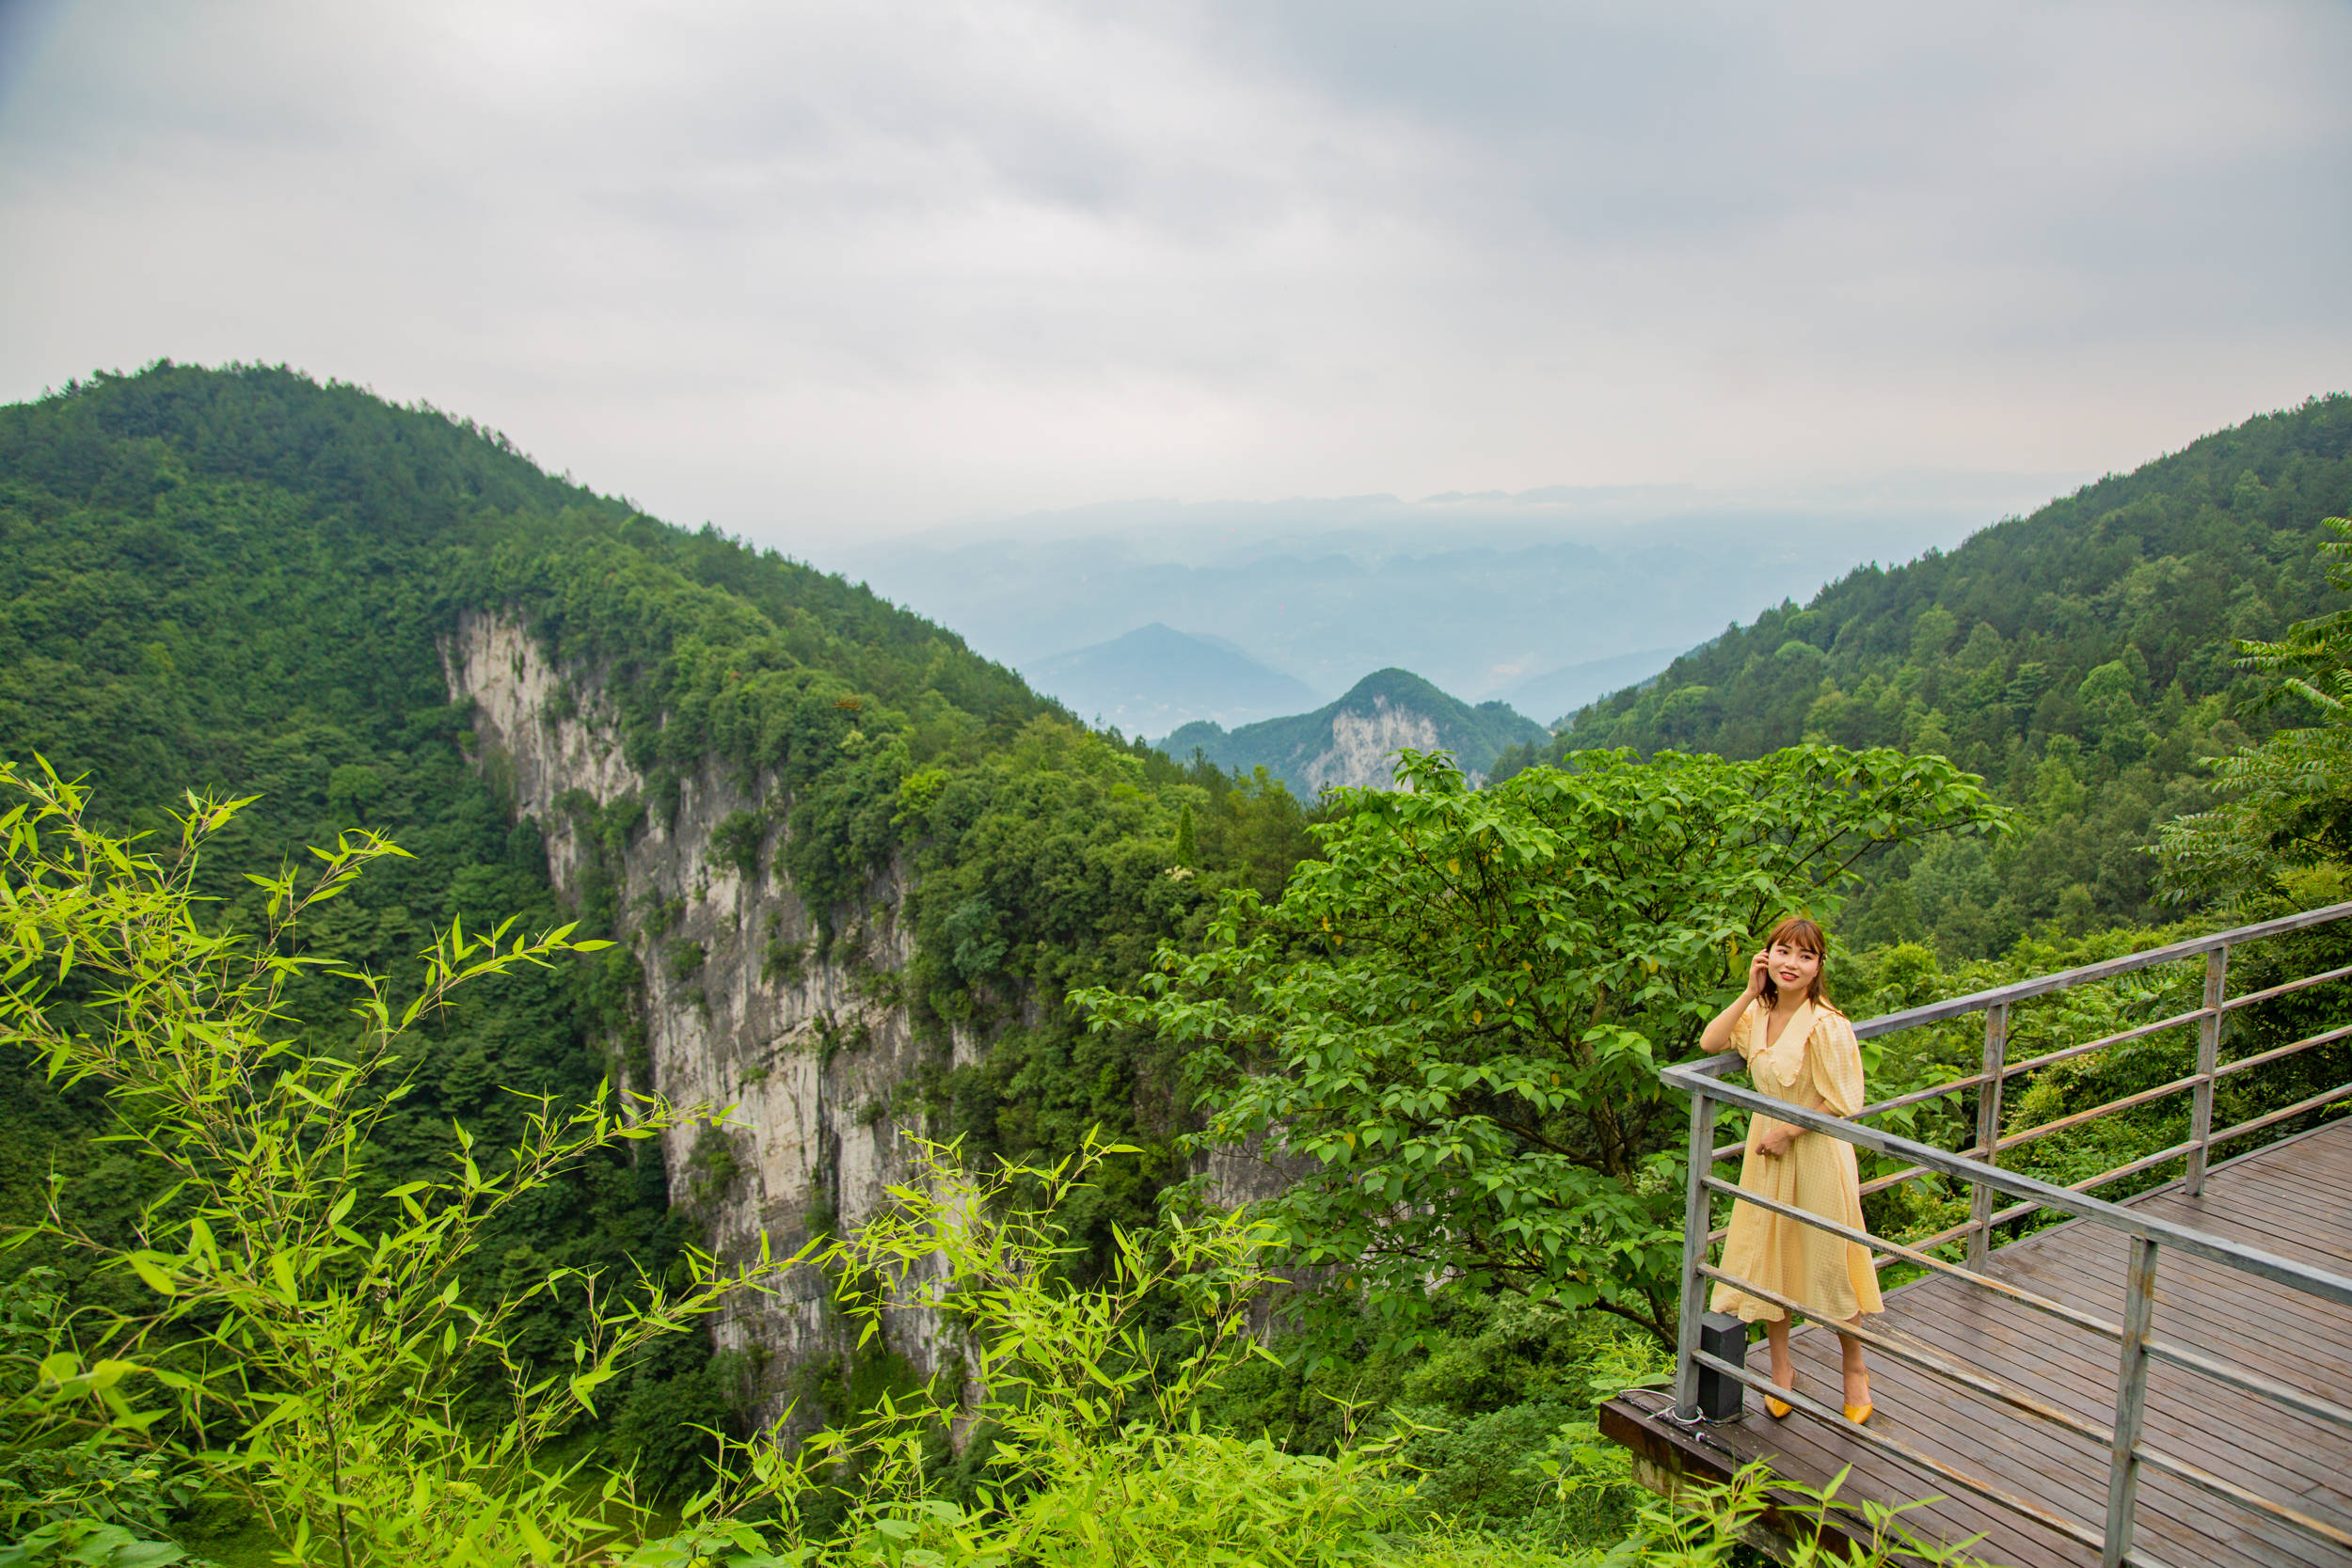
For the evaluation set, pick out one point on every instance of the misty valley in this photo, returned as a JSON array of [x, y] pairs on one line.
[[538, 1036]]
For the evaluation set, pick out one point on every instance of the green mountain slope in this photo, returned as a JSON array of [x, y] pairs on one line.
[[1355, 740], [2077, 657], [239, 580]]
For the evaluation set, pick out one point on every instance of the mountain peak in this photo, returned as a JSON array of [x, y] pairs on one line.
[[1354, 741]]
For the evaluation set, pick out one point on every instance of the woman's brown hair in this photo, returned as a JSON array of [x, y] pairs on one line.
[[1797, 931]]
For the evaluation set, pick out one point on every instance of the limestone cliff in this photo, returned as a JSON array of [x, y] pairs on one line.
[[738, 1008]]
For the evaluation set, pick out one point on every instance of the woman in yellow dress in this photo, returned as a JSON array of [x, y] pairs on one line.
[[1800, 1049]]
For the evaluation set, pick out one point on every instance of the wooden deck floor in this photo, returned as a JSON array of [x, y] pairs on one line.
[[2294, 1198]]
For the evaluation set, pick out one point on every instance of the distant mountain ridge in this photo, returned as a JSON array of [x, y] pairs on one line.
[[1156, 678], [1354, 741]]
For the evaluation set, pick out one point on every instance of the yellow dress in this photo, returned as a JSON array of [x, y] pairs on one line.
[[1817, 1065]]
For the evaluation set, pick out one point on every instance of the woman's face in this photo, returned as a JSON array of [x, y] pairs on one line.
[[1793, 967]]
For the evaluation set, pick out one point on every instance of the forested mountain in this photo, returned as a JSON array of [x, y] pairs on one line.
[[244, 581], [2079, 657], [838, 852], [1354, 741]]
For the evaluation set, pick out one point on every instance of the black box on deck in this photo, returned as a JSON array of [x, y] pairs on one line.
[[1724, 1336]]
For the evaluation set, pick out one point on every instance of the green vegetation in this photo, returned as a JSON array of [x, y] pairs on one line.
[[297, 1328], [238, 582], [1290, 748], [322, 1334], [2079, 659], [1452, 1024]]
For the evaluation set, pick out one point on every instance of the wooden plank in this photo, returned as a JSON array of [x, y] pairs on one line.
[[2293, 1199], [2251, 1334], [2249, 1324], [2029, 1457], [1725, 1449], [2262, 1183], [2317, 1194], [2180, 1416], [2185, 1427], [1973, 1428]]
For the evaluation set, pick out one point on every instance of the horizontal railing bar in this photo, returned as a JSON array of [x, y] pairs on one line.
[[1910, 1255], [1936, 1012], [2019, 1211], [1958, 1086], [1702, 1077], [2084, 1049], [1912, 1173], [2251, 1382], [2243, 1063], [1909, 1173], [1961, 1085], [2045, 1129], [1835, 1420], [1952, 1233], [2313, 1103], [1926, 1361], [2183, 1471], [2251, 997]]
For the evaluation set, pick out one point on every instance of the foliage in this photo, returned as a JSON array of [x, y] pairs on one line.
[[56, 1473], [1098, 1452], [307, 1320], [1449, 1029], [2288, 801], [243, 579], [88, 1544], [2077, 658], [236, 579]]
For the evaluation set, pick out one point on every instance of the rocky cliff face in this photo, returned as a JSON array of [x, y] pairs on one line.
[[738, 1009], [1364, 744]]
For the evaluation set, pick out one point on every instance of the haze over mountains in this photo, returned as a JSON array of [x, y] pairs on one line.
[[1545, 599], [1156, 677]]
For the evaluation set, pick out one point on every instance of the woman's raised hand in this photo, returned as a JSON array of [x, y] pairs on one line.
[[1759, 973]]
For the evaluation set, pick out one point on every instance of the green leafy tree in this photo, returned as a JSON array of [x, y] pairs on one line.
[[1450, 1024], [2287, 802], [310, 1325]]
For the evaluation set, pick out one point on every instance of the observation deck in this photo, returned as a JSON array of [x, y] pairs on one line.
[[2160, 1381]]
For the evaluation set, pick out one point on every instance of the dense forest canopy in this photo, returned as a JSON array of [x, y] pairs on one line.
[[2079, 658], [237, 581]]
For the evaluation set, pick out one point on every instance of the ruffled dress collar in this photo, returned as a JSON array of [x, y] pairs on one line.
[[1777, 1067]]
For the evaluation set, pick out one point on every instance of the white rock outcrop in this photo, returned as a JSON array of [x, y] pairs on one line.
[[806, 1051]]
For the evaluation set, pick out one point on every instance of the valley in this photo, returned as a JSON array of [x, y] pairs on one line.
[[864, 885]]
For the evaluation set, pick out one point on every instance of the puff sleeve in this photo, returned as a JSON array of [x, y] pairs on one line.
[[1745, 1035], [1834, 1059]]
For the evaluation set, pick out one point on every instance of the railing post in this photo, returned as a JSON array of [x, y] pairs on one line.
[[2208, 1058], [2131, 1403], [1988, 1130], [1695, 1225]]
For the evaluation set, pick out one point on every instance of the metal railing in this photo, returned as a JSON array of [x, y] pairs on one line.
[[1979, 1165]]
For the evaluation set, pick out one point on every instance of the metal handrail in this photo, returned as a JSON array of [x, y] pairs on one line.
[[1979, 1165]]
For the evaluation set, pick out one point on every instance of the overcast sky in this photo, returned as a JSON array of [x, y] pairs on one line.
[[817, 271]]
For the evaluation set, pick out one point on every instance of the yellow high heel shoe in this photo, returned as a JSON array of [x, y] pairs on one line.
[[1777, 1409], [1859, 1413]]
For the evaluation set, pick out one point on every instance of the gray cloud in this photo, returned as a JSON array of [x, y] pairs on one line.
[[816, 271]]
